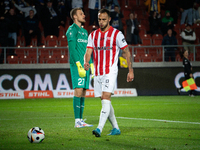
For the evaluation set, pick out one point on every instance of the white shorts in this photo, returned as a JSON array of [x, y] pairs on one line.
[[105, 83]]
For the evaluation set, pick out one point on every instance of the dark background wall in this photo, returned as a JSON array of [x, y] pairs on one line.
[[154, 81]]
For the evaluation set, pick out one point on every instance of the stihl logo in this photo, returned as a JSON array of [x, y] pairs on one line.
[[9, 95], [38, 94], [35, 94]]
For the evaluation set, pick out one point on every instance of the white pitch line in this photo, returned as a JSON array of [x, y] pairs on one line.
[[159, 120]]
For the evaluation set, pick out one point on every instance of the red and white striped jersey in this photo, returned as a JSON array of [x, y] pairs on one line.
[[106, 46]]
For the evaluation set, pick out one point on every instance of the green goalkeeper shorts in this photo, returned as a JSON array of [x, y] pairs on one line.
[[77, 81]]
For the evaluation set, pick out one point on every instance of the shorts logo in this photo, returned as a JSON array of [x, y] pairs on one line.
[[103, 112], [107, 80], [106, 86]]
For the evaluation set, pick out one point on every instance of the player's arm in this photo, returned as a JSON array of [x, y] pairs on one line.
[[130, 75], [121, 42], [71, 37], [72, 41], [87, 58]]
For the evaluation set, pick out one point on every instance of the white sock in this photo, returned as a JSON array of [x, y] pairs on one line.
[[112, 118], [105, 111], [76, 120]]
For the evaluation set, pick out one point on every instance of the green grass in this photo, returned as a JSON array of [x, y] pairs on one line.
[[146, 123]]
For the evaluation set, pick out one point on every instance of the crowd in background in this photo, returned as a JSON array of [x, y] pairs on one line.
[[23, 18]]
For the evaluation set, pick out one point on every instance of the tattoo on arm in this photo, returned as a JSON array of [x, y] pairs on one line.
[[128, 58]]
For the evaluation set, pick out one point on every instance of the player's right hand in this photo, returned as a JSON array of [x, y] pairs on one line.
[[86, 66], [130, 77], [81, 70]]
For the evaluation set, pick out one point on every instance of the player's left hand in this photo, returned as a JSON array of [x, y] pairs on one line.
[[130, 77]]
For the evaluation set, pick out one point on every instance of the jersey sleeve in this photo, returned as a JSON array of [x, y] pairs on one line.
[[90, 42], [71, 38], [121, 41]]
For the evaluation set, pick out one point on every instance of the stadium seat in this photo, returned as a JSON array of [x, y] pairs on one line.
[[146, 58], [62, 41], [142, 31], [57, 52], [157, 36], [191, 57], [132, 3], [178, 58], [142, 26], [146, 39], [157, 58], [195, 26], [50, 59], [137, 59], [51, 41], [20, 52], [197, 31], [45, 52], [13, 60], [63, 59], [31, 52], [61, 31], [157, 39], [152, 51], [139, 50], [20, 41], [28, 60], [197, 54]]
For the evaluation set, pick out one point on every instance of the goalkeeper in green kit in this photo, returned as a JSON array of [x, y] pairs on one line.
[[77, 38]]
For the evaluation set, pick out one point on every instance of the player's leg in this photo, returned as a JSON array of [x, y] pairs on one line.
[[78, 85], [97, 93], [110, 83], [77, 106], [113, 121], [105, 110], [82, 105]]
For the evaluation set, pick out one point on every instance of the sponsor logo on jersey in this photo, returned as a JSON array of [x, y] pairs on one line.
[[123, 40], [82, 40], [103, 48]]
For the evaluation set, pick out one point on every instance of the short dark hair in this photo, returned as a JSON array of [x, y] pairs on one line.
[[105, 11], [73, 12]]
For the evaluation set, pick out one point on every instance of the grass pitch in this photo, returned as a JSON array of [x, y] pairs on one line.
[[146, 123]]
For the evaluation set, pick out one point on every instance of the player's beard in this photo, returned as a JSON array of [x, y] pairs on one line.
[[104, 27]]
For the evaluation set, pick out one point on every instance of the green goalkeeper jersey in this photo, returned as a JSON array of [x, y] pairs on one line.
[[77, 41]]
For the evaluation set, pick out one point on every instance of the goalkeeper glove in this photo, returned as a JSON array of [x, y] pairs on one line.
[[81, 70], [92, 69]]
